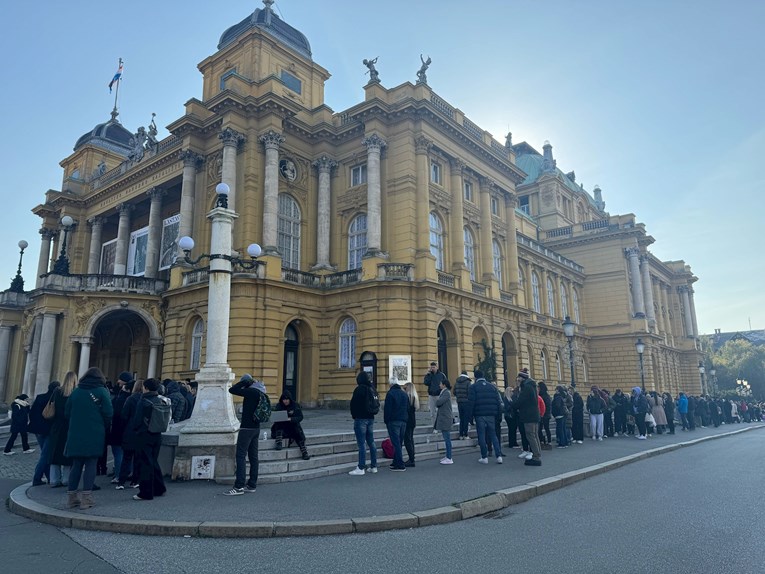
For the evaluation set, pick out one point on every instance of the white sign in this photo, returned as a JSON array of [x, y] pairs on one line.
[[202, 467], [400, 366]]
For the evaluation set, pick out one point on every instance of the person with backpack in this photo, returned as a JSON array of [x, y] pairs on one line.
[[253, 410], [396, 415], [364, 406], [151, 418]]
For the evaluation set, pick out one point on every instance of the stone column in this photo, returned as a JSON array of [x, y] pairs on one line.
[[84, 365], [660, 304], [683, 291], [457, 216], [422, 147], [154, 344], [43, 261], [271, 141], [487, 267], [324, 166], [231, 139], [665, 303], [155, 233], [645, 268], [123, 239], [511, 245], [45, 354], [374, 145], [30, 371], [693, 313], [94, 256], [633, 255], [190, 162], [5, 350], [27, 369]]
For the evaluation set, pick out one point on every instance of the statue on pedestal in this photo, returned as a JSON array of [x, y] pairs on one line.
[[374, 77], [422, 78]]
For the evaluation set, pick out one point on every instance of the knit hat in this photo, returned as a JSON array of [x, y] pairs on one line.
[[637, 390], [247, 378], [524, 374], [125, 377]]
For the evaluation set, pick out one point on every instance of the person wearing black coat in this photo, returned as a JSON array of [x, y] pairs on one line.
[[545, 437], [129, 467], [118, 423], [620, 412], [173, 392], [508, 397], [19, 425], [290, 429], [577, 419], [396, 415], [529, 416], [252, 391], [150, 480], [41, 426], [486, 404], [669, 412]]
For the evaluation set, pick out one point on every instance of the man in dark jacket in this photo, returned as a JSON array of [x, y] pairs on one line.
[[559, 410], [396, 414], [461, 390], [620, 412], [364, 406], [40, 426], [19, 425], [529, 416], [125, 388], [129, 465], [486, 405], [150, 481], [247, 441], [173, 392], [432, 381]]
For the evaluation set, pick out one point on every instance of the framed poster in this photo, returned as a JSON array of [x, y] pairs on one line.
[[202, 467], [400, 366]]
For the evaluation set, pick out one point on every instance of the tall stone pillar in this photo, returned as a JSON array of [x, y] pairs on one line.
[[85, 346], [645, 268], [511, 246], [693, 313], [661, 324], [422, 147], [94, 255], [46, 353], [231, 139], [123, 239], [5, 351], [324, 166], [487, 267], [43, 261], [191, 161], [30, 371], [155, 233], [151, 370], [374, 145], [456, 216], [271, 141], [665, 302], [684, 296], [633, 256]]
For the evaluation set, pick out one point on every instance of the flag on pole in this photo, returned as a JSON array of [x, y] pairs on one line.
[[116, 77]]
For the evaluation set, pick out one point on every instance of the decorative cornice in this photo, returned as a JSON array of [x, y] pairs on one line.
[[324, 164], [272, 139], [374, 143]]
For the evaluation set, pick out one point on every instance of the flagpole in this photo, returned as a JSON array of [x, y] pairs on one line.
[[115, 113]]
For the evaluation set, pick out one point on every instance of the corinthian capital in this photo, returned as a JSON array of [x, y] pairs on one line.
[[191, 158], [47, 233], [457, 165], [632, 252], [324, 164], [231, 137], [422, 145], [125, 209], [374, 143], [156, 193], [272, 139], [96, 221]]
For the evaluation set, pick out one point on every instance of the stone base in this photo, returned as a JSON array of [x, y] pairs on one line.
[[225, 459]]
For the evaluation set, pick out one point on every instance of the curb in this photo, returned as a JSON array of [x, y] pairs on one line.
[[19, 503]]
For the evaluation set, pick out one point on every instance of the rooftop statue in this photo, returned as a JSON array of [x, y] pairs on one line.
[[372, 71], [422, 78]]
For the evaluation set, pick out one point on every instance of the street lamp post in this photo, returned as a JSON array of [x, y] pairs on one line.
[[568, 330], [702, 370], [17, 285], [640, 347], [61, 267], [713, 373]]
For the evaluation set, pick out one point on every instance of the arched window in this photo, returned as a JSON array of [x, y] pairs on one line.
[[197, 334], [584, 369], [558, 367], [550, 298], [496, 254], [575, 300], [289, 231], [535, 292], [469, 253], [543, 356], [357, 241], [437, 240], [347, 344], [563, 301]]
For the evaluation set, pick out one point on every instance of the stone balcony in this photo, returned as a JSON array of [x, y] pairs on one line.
[[103, 283]]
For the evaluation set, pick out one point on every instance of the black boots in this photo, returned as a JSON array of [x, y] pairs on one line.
[[278, 445], [304, 451]]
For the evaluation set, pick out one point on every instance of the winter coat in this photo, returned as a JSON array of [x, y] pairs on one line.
[[657, 410], [461, 389], [528, 405], [484, 399], [37, 423], [433, 382], [89, 410], [128, 410], [620, 403], [570, 406], [396, 405], [290, 429], [173, 392], [639, 405], [141, 418], [558, 406], [444, 417], [59, 431], [361, 400], [19, 416], [252, 398], [669, 409], [595, 404], [682, 404], [118, 423], [548, 403]]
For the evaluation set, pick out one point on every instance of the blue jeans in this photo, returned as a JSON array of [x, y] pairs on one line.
[[246, 446], [487, 425], [365, 436], [448, 441], [117, 453], [396, 431], [560, 431], [464, 411], [85, 468], [43, 466]]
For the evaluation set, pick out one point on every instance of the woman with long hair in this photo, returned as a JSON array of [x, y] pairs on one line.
[[411, 423], [59, 432]]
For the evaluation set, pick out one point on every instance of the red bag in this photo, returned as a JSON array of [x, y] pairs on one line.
[[387, 447]]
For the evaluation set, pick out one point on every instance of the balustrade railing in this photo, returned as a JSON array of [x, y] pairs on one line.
[[400, 271], [479, 289], [117, 283], [446, 279]]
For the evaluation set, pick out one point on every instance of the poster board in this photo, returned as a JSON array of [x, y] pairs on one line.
[[202, 467], [400, 366]]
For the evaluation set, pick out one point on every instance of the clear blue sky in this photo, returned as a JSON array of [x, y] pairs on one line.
[[660, 102]]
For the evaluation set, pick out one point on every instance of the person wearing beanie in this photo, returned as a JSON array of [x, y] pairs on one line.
[[247, 440], [364, 406], [529, 415], [150, 480], [19, 425], [396, 414]]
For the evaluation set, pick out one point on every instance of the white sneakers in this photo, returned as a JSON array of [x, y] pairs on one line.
[[642, 437], [483, 460], [372, 470], [446, 461], [499, 460], [29, 451], [529, 456], [357, 472], [600, 438], [523, 454]]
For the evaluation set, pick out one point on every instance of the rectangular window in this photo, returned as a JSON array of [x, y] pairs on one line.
[[494, 206], [468, 188], [108, 252], [523, 204], [292, 82], [168, 249], [137, 254], [435, 172], [358, 174]]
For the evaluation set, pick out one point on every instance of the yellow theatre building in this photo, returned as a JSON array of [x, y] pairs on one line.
[[396, 227]]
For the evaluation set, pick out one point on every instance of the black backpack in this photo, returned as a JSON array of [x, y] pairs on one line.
[[373, 402]]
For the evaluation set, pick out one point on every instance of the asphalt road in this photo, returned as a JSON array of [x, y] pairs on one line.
[[695, 510]]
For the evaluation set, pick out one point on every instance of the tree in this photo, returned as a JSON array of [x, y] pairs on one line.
[[487, 364], [740, 359]]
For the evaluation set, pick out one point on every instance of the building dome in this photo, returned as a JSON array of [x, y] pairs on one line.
[[111, 136], [266, 20]]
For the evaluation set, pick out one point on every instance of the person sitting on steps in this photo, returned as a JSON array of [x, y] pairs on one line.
[[289, 429]]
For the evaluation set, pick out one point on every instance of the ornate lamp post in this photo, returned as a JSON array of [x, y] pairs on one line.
[[640, 348], [61, 267], [568, 330], [702, 370], [17, 285], [713, 373]]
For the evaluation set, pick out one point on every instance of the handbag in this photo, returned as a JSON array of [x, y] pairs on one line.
[[649, 419], [50, 410]]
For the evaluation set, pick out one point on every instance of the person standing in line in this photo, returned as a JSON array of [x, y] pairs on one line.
[[608, 419], [560, 412], [669, 412], [247, 439], [41, 426], [510, 419], [432, 381], [129, 467], [150, 482], [396, 415], [682, 408], [364, 406], [444, 420], [640, 408], [596, 406], [124, 389], [545, 438], [620, 412], [657, 410], [577, 418], [411, 422], [19, 425], [530, 415], [59, 432], [461, 388], [485, 404], [89, 410]]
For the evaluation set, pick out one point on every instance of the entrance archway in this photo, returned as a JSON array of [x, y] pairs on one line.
[[121, 342], [290, 371]]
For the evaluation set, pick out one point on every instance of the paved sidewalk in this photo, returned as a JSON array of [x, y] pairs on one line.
[[342, 497]]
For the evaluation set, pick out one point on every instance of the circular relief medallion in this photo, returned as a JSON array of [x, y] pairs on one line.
[[288, 169]]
